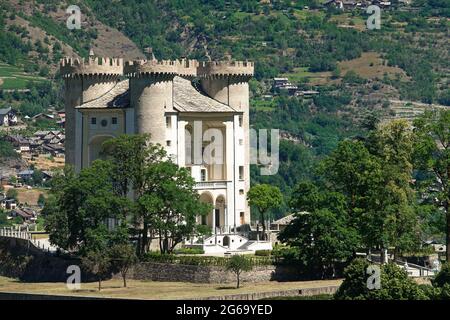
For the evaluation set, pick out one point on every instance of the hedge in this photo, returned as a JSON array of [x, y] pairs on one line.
[[201, 260]]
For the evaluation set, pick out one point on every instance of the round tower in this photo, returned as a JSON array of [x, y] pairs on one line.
[[85, 80], [227, 81], [151, 91]]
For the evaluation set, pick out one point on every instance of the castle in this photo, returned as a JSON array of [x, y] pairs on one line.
[[176, 102]]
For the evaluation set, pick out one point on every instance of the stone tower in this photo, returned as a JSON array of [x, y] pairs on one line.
[[227, 82], [85, 81], [151, 92]]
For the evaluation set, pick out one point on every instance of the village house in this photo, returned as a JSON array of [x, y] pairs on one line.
[[283, 84], [42, 142], [25, 175], [8, 117], [7, 203], [20, 143], [28, 215]]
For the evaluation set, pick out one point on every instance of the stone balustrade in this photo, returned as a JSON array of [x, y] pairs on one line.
[[26, 235]]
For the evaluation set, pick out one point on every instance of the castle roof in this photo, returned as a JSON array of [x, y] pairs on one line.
[[187, 98], [117, 97]]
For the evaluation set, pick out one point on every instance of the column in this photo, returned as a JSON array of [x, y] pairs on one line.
[[230, 173], [214, 220], [181, 157]]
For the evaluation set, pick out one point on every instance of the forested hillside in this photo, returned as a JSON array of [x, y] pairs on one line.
[[357, 72]]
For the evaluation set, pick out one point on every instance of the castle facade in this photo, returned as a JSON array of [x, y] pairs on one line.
[[184, 105]]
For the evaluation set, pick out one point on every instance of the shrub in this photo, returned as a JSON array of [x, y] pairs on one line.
[[200, 260], [354, 287], [263, 253], [430, 292], [443, 276], [445, 292], [285, 255], [395, 284], [189, 251]]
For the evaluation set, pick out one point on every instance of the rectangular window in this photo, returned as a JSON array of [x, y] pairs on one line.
[[93, 120], [168, 122], [168, 143], [203, 175], [241, 192], [240, 121], [241, 172], [114, 120], [241, 142], [242, 217]]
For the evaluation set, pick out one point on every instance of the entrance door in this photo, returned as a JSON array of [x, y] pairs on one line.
[[217, 213]]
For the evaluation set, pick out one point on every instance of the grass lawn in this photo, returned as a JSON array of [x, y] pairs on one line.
[[14, 78], [317, 297], [39, 236], [302, 75], [262, 105], [30, 197], [156, 290], [305, 13], [346, 20], [370, 66]]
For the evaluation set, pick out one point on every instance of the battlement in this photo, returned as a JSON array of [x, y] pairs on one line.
[[225, 68], [142, 67], [70, 67], [187, 67]]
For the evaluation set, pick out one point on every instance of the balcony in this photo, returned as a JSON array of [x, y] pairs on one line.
[[211, 185]]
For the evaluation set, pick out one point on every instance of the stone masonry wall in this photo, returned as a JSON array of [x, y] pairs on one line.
[[202, 274]]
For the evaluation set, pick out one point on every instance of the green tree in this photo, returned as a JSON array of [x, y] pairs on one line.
[[322, 237], [264, 197], [394, 199], [375, 176], [129, 174], [78, 206], [4, 222], [432, 158], [395, 284], [123, 257], [171, 203], [41, 200], [237, 264], [443, 276], [37, 176], [97, 262], [12, 194]]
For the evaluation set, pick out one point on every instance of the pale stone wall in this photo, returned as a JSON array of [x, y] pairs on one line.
[[202, 274], [151, 97], [94, 135]]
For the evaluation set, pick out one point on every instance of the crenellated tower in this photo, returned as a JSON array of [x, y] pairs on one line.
[[85, 80], [151, 88], [151, 92]]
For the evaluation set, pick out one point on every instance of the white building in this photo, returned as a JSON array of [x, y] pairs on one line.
[[176, 102]]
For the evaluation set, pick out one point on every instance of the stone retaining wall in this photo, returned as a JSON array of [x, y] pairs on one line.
[[273, 294], [204, 274]]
